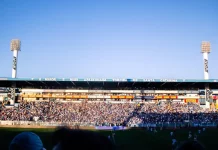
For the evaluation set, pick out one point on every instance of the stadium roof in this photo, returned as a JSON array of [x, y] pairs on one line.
[[109, 80], [108, 83]]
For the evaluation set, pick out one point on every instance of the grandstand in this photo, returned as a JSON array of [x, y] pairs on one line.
[[152, 90], [135, 101]]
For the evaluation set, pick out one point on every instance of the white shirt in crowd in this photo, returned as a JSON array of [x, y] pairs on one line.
[[195, 138], [171, 133], [199, 131], [190, 135], [174, 141]]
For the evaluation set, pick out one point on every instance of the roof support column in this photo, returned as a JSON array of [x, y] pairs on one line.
[[207, 96], [12, 93]]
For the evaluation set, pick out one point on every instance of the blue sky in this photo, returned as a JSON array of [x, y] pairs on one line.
[[109, 39]]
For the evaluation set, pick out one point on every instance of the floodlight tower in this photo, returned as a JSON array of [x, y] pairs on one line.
[[15, 47], [205, 49]]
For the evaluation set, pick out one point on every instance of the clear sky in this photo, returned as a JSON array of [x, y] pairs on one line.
[[109, 38]]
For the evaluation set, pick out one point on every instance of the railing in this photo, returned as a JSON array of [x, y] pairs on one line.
[[175, 125], [86, 124], [39, 123]]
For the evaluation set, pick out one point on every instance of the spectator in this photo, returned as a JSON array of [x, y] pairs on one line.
[[64, 139], [105, 113], [26, 141], [190, 145]]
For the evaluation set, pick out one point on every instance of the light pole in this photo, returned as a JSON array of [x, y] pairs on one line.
[[205, 49], [15, 47]]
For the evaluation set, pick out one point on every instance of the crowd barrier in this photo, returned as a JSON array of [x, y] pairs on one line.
[[47, 124], [110, 128], [85, 124], [176, 125]]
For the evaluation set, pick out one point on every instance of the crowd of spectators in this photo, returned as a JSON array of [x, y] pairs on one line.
[[107, 113]]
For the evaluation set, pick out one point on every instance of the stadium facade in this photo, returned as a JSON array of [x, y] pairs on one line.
[[204, 92]]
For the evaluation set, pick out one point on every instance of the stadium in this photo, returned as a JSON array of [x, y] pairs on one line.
[[106, 105], [203, 92]]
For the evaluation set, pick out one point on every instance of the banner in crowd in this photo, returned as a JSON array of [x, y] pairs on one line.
[[191, 100], [110, 128], [166, 97], [144, 97], [215, 97]]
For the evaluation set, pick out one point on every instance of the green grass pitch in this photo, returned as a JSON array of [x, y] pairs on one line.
[[125, 140]]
